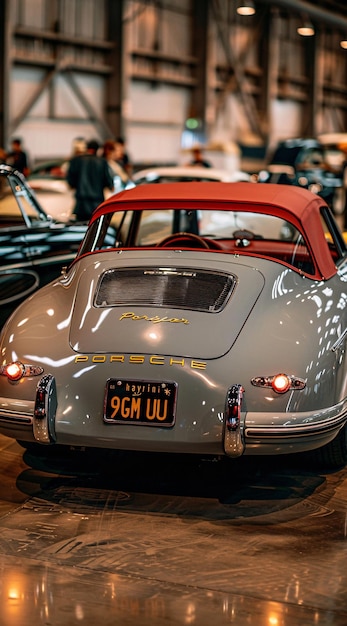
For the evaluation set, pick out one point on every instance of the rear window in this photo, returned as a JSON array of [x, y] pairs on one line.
[[234, 232]]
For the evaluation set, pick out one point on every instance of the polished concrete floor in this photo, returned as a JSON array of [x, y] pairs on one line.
[[106, 539]]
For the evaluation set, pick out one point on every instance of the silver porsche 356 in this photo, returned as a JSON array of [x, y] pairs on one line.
[[200, 318]]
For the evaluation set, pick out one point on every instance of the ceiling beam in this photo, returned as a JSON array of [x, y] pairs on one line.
[[316, 13]]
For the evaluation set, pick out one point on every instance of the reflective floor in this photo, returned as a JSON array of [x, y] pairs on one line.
[[111, 539]]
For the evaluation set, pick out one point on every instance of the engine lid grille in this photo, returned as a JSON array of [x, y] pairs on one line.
[[178, 288]]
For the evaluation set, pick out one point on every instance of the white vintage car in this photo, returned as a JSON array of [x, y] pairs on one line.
[[207, 319], [188, 173]]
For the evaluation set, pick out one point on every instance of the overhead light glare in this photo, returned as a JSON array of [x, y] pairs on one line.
[[245, 7], [306, 29], [343, 44]]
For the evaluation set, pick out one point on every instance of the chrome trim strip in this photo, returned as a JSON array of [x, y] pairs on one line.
[[69, 256], [305, 430], [15, 418]]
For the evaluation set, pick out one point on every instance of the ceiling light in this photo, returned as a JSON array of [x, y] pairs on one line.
[[343, 43], [245, 7], [306, 29]]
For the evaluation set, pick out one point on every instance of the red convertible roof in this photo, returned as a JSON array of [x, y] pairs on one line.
[[298, 206], [291, 198]]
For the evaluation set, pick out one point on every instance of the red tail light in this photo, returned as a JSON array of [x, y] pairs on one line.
[[14, 371], [281, 383]]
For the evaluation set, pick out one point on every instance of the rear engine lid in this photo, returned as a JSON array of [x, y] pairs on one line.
[[164, 310]]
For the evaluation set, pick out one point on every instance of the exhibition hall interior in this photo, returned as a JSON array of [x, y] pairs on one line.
[[173, 312]]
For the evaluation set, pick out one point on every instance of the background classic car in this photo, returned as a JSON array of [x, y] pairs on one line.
[[308, 163], [191, 331], [34, 247], [188, 173]]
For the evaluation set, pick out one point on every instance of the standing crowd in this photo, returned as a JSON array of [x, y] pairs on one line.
[[16, 157], [91, 169]]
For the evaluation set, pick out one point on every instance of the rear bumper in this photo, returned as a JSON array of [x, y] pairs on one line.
[[254, 433]]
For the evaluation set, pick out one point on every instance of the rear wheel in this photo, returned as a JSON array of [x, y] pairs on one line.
[[334, 454]]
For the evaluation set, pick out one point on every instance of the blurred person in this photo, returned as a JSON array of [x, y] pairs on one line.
[[79, 146], [109, 153], [343, 148], [121, 156], [3, 156], [198, 159], [17, 157], [89, 175]]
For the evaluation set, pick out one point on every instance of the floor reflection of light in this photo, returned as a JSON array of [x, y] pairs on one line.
[[13, 594], [190, 614], [79, 612]]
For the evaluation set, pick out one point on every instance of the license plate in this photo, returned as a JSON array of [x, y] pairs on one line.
[[140, 402]]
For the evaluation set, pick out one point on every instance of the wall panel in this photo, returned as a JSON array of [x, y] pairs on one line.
[[131, 67]]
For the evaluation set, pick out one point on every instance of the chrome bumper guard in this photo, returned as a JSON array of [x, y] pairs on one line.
[[234, 424], [45, 410]]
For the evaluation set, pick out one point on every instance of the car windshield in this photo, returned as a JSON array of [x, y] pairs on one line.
[[233, 232], [17, 206]]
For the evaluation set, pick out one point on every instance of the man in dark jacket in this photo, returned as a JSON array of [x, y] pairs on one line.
[[17, 157], [89, 175]]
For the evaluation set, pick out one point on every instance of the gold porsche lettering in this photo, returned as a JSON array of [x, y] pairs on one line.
[[176, 362], [199, 365], [156, 360], [136, 358], [155, 319], [140, 359], [99, 358]]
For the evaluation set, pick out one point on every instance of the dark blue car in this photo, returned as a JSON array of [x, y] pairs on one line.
[[33, 246], [303, 162]]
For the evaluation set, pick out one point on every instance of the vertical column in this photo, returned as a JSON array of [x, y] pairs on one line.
[[200, 50], [114, 95], [5, 69], [310, 117], [269, 59]]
